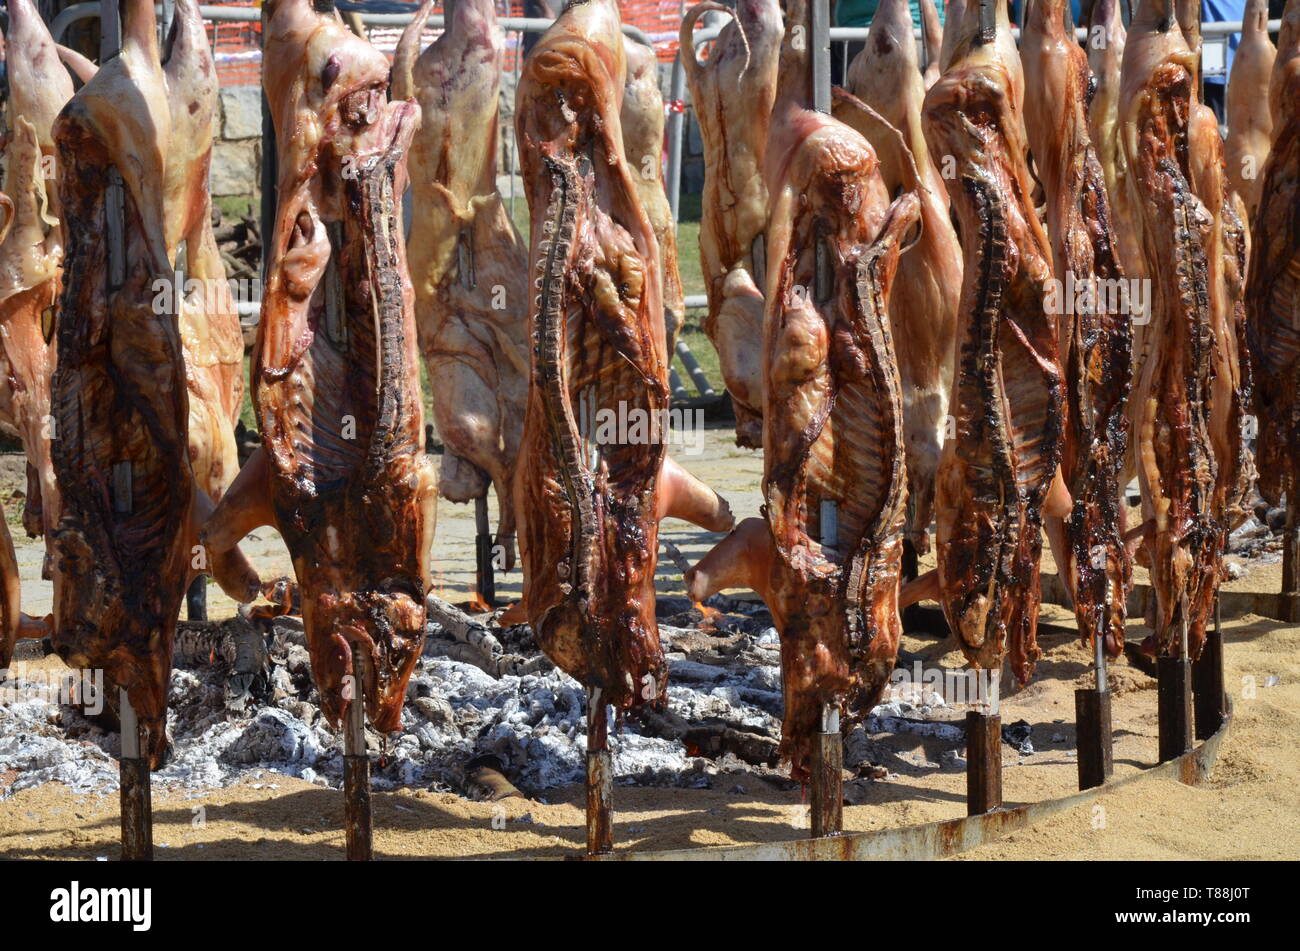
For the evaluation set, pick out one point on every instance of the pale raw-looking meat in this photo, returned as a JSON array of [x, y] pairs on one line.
[[953, 13], [1177, 468], [642, 117], [1093, 308], [827, 555], [212, 341], [468, 263], [1105, 47], [733, 93], [885, 76], [341, 472], [933, 32], [124, 549], [1008, 398], [1250, 124], [31, 252], [1273, 292], [593, 479]]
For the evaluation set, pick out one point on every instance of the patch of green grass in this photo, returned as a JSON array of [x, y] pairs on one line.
[[235, 206]]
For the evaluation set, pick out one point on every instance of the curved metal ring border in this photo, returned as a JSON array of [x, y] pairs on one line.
[[939, 839]]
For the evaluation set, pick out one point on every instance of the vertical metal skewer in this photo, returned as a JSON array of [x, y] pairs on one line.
[[135, 786], [826, 791], [1093, 723], [1207, 681], [1174, 700], [1290, 606], [484, 575], [600, 777], [984, 752], [356, 769], [133, 769]]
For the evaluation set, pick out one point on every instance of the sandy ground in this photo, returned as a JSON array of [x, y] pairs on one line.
[[1250, 808]]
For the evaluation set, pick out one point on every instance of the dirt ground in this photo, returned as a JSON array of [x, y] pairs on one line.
[[1249, 809]]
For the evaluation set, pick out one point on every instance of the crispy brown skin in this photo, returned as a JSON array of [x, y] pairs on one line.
[[1273, 292], [588, 501], [1008, 398], [833, 421], [341, 471], [119, 392], [468, 263], [733, 93], [923, 305], [1096, 340], [1177, 467]]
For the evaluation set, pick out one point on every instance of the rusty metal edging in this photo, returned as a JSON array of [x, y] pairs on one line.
[[939, 839]]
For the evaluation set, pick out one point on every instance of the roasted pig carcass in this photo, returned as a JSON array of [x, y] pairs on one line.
[[1177, 466], [212, 340], [1105, 47], [1092, 304], [1250, 125], [31, 253], [923, 305], [124, 548], [341, 471], [732, 93], [468, 262], [1008, 398], [954, 12], [826, 557], [593, 479], [642, 117], [1273, 291]]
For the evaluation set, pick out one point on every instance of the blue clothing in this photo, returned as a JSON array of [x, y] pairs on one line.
[[1224, 11]]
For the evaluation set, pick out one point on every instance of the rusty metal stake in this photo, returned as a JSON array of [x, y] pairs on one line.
[[984, 754], [1174, 700], [827, 787], [135, 786], [600, 777], [1207, 681], [1290, 606], [484, 579], [356, 770], [1093, 725]]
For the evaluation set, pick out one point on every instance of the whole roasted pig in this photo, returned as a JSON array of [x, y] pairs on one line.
[[124, 549], [1250, 124], [31, 252], [468, 262], [1177, 465], [1093, 305], [642, 117], [1273, 291], [1008, 399], [826, 557], [886, 77], [593, 478], [1105, 47], [341, 472], [733, 93]]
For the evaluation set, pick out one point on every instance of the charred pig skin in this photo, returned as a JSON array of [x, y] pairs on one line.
[[827, 554], [1273, 292], [341, 471], [1008, 396], [1171, 404], [590, 494], [1095, 339], [119, 391]]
